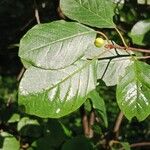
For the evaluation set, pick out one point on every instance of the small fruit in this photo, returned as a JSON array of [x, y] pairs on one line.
[[99, 42]]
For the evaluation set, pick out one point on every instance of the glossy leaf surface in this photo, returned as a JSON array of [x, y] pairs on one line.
[[133, 91], [55, 93], [55, 45], [111, 62]]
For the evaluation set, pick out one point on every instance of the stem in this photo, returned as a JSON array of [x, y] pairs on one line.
[[91, 123], [104, 35], [124, 43], [110, 46], [118, 124], [85, 123], [20, 74], [38, 22], [139, 50], [36, 12], [138, 145], [143, 57]]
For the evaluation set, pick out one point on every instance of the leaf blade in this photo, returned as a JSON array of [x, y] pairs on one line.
[[133, 91], [140, 32], [96, 13], [111, 64], [51, 45], [99, 105], [59, 93]]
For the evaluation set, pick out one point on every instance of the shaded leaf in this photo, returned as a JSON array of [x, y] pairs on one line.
[[96, 13], [87, 105], [125, 145], [29, 127], [54, 136], [55, 45], [78, 143], [55, 93], [139, 31], [99, 105], [133, 91]]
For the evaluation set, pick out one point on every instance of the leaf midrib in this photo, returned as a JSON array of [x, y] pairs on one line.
[[95, 14], [60, 40], [78, 70]]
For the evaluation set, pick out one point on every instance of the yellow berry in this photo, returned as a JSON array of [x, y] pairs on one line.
[[99, 42]]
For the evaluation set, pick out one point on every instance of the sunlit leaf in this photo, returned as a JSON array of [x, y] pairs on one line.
[[55, 93], [111, 62], [133, 91], [55, 45]]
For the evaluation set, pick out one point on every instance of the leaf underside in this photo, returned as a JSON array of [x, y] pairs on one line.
[[56, 93], [55, 45]]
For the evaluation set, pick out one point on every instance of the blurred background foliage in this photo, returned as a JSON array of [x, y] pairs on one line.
[[21, 131]]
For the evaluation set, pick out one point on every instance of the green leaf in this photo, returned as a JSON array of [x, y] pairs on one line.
[[55, 45], [110, 70], [14, 118], [133, 91], [125, 145], [9, 142], [99, 105], [96, 13], [78, 143], [29, 127], [55, 93], [54, 135], [111, 62], [87, 105], [140, 32]]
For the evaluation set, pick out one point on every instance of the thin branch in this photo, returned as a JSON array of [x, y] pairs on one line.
[[60, 13], [118, 124], [104, 35], [38, 21], [143, 57], [27, 24], [36, 12], [139, 50], [124, 43], [111, 46], [20, 74], [85, 123], [91, 123], [141, 144]]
